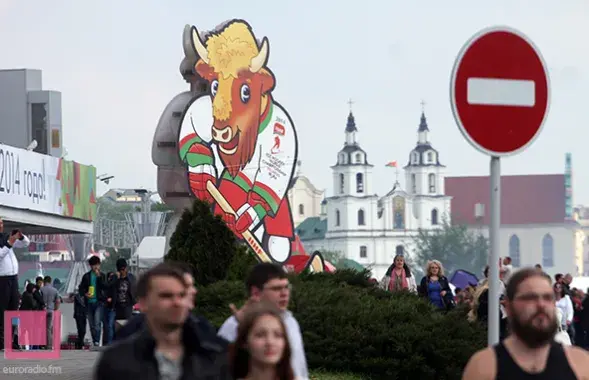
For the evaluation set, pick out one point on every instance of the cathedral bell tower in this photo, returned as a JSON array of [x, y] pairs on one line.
[[352, 172], [424, 174]]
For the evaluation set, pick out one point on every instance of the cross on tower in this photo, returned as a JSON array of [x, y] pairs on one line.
[[350, 102], [422, 106]]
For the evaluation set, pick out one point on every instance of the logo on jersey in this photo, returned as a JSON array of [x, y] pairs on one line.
[[276, 148], [279, 129]]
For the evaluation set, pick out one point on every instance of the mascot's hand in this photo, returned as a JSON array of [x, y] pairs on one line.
[[241, 223], [198, 178]]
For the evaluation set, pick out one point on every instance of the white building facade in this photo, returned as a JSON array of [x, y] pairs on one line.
[[367, 228], [304, 198]]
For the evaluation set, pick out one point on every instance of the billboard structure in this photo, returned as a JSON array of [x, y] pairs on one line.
[[238, 146]]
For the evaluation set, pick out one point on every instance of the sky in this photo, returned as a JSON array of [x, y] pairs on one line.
[[116, 64]]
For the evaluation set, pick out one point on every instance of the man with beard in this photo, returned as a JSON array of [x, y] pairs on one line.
[[166, 348], [530, 352]]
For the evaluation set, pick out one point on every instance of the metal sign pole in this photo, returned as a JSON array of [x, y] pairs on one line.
[[494, 257]]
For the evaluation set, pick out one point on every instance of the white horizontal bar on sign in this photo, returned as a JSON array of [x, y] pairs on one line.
[[501, 92]]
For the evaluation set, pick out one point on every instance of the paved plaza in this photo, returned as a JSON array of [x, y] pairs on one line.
[[73, 365]]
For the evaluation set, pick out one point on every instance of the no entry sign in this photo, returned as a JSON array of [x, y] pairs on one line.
[[499, 91]]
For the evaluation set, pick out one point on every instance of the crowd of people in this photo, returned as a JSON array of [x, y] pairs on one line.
[[105, 300], [572, 304], [261, 340], [543, 321]]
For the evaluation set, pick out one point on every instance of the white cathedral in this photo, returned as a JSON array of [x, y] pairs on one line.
[[367, 228]]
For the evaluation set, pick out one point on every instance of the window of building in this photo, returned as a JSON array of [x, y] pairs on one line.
[[363, 252], [547, 251], [359, 183], [342, 158], [399, 250], [337, 219], [341, 183], [431, 178], [415, 158], [301, 209], [430, 157], [514, 250], [434, 217], [361, 221], [358, 158], [39, 126], [413, 184]]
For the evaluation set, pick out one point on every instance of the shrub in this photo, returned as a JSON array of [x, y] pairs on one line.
[[204, 242], [350, 325], [243, 261]]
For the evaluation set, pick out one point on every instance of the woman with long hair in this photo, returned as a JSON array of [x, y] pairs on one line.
[[262, 350], [398, 277], [564, 303], [436, 287]]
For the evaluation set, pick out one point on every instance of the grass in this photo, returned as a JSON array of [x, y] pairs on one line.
[[323, 375]]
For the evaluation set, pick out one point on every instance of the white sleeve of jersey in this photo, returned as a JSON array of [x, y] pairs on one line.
[[277, 161], [198, 119]]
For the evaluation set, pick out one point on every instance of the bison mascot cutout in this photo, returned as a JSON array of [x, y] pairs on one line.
[[238, 144]]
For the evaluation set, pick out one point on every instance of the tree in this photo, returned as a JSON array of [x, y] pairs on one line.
[[454, 246], [204, 241], [109, 264]]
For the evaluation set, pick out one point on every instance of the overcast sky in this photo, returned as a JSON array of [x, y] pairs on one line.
[[116, 64]]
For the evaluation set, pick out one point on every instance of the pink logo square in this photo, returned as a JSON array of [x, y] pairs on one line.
[[32, 330]]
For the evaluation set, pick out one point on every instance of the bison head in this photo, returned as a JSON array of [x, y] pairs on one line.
[[234, 65]]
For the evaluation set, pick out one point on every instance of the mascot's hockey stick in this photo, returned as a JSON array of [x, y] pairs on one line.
[[247, 235]]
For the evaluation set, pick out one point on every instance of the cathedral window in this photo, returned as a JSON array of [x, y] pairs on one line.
[[341, 183], [415, 158], [337, 218], [358, 158], [547, 251], [514, 250], [413, 184], [430, 157], [359, 183], [363, 252], [301, 209], [399, 250], [434, 217], [432, 182], [361, 221]]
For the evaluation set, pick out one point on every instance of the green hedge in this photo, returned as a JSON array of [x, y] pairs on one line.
[[349, 325]]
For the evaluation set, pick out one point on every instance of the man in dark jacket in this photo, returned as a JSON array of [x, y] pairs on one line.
[[168, 347], [123, 291], [93, 288], [137, 322]]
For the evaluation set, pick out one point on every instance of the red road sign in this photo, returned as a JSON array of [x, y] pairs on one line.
[[499, 91]]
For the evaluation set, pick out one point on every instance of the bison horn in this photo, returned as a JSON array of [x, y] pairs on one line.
[[199, 47], [261, 59], [187, 43]]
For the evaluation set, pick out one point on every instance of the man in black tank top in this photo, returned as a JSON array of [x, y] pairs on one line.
[[530, 352]]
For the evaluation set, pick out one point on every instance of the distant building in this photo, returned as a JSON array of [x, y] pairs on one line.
[[534, 224], [372, 229], [124, 196], [27, 112], [581, 215], [304, 198]]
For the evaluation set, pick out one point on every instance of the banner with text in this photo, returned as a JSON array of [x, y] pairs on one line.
[[52, 185]]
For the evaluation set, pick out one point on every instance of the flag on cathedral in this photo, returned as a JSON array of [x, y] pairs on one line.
[[392, 164]]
